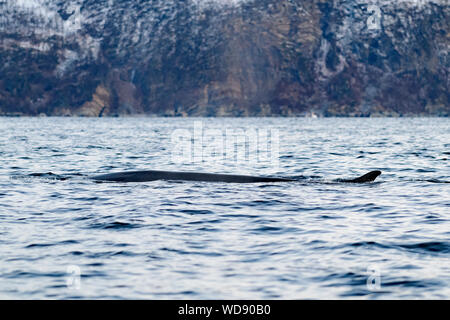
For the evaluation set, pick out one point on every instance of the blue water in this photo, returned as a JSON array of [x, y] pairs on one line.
[[74, 238]]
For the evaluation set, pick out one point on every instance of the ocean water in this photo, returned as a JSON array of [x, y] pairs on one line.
[[64, 236]]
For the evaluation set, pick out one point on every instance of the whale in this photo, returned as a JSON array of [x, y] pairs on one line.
[[152, 175]]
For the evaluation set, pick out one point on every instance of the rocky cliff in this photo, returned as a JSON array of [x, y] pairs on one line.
[[225, 57]]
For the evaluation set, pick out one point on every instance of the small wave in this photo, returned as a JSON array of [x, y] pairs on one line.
[[368, 244], [201, 253], [76, 253], [44, 245], [426, 170], [299, 177], [435, 247], [364, 244], [439, 247], [87, 198], [44, 176], [437, 181], [202, 221], [259, 203], [430, 180], [30, 275], [39, 245], [116, 225], [196, 212], [411, 283], [105, 254], [268, 229], [49, 176], [98, 147]]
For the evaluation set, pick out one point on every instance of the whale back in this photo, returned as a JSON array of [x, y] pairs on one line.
[[144, 176]]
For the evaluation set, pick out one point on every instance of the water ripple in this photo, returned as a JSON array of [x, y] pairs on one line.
[[315, 238]]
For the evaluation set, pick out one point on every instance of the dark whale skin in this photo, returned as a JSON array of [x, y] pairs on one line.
[[368, 177], [146, 176]]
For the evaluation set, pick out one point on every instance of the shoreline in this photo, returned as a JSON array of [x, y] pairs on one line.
[[375, 116]]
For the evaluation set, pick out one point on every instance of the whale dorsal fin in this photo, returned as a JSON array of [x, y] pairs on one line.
[[368, 177]]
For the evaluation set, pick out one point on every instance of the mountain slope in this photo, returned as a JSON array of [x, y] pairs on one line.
[[225, 58]]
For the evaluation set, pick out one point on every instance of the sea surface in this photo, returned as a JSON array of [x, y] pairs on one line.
[[64, 236]]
